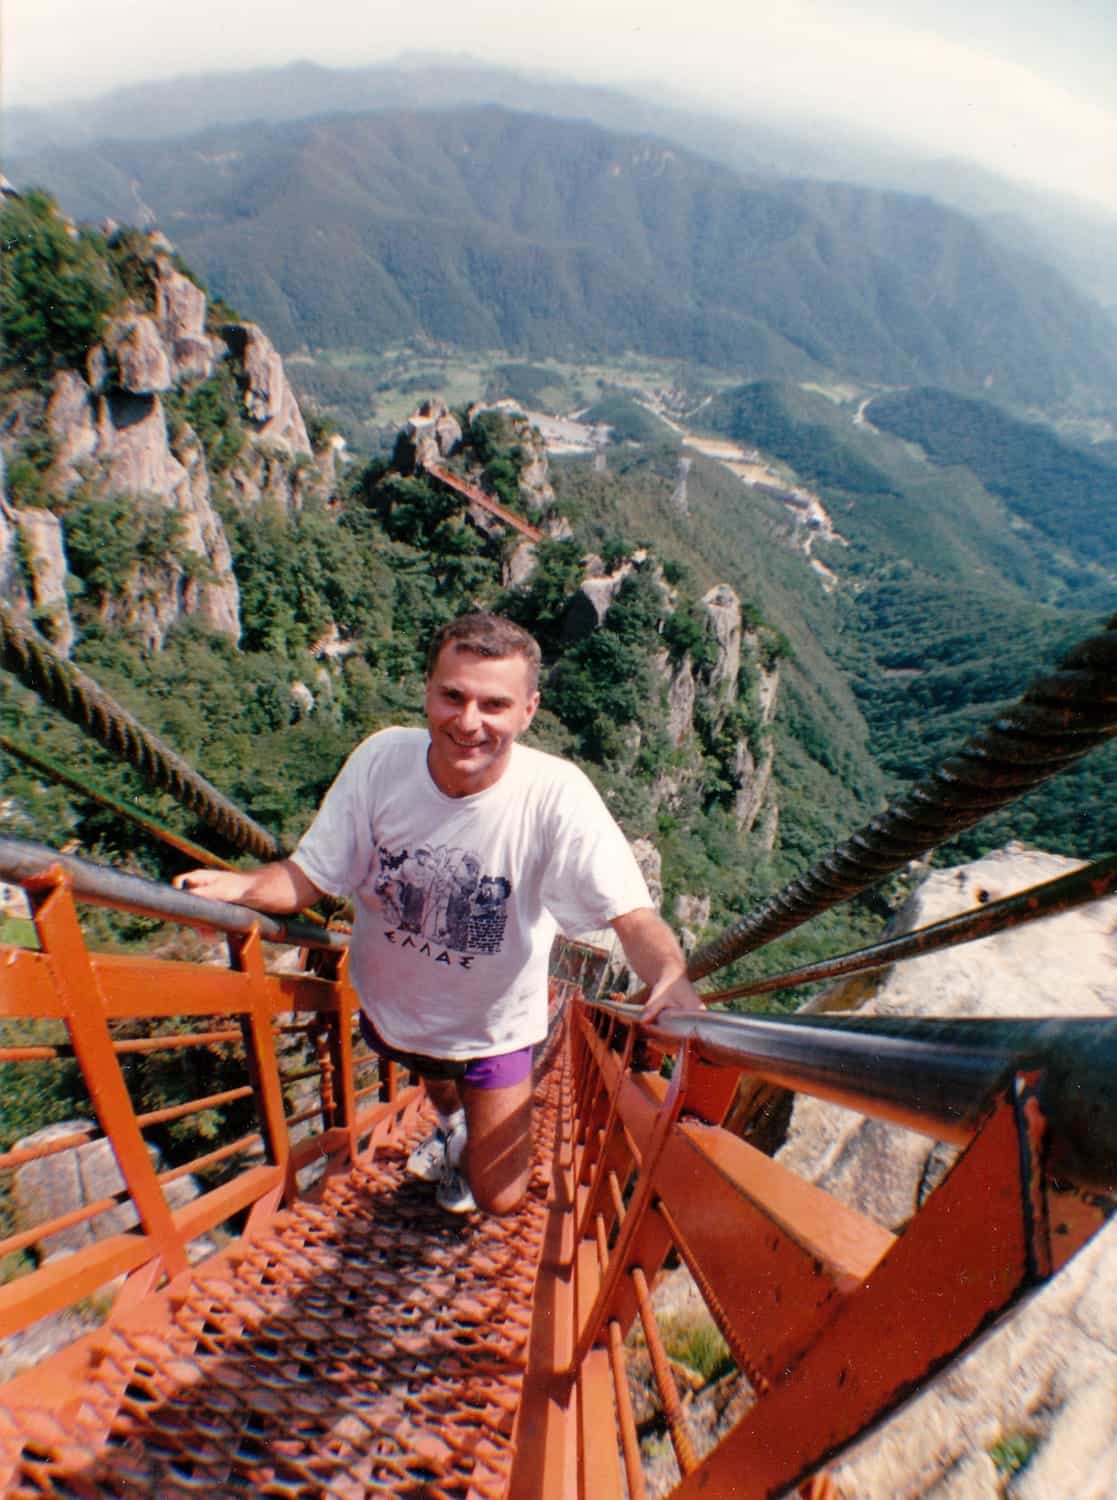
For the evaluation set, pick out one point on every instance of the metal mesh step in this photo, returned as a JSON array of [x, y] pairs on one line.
[[369, 1344]]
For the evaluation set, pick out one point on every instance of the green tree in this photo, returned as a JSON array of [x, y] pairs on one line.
[[540, 604], [56, 287]]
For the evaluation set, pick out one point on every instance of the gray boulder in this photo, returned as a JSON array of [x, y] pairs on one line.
[[143, 366], [70, 1179]]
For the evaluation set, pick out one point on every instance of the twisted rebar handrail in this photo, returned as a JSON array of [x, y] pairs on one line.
[[1064, 893], [69, 690], [1059, 719]]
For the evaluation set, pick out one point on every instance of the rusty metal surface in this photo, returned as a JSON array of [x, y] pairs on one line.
[[975, 1237], [929, 1075], [477, 496], [365, 1345]]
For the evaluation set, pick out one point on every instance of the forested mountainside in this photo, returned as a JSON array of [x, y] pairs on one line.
[[1078, 240], [734, 663], [484, 228], [173, 523], [972, 550]]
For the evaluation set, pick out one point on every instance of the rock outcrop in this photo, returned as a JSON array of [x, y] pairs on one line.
[[12, 590], [682, 693], [723, 611], [520, 564], [755, 755], [60, 1184], [756, 758], [1047, 1380], [692, 914], [536, 491], [139, 357], [714, 687], [429, 436], [651, 867], [118, 443], [43, 556], [112, 434], [71, 423], [70, 1179], [180, 310], [590, 603], [269, 402]]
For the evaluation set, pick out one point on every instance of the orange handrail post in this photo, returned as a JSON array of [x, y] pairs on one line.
[[246, 957]]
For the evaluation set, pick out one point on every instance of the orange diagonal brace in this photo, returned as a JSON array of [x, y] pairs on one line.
[[70, 967], [613, 1274], [975, 1240], [486, 502]]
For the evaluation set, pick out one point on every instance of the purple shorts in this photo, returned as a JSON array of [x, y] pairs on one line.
[[499, 1072]]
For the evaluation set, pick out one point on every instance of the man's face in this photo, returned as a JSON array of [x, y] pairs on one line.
[[476, 708]]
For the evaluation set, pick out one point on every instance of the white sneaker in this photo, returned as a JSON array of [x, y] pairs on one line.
[[453, 1193], [429, 1158]]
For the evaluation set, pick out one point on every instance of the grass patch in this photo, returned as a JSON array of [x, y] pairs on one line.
[[693, 1339], [18, 931], [1013, 1452]]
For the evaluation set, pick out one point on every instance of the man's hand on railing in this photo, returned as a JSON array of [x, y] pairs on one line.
[[671, 996], [280, 886], [653, 951]]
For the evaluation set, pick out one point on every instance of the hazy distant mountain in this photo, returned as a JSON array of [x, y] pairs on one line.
[[181, 106], [1081, 242], [485, 229]]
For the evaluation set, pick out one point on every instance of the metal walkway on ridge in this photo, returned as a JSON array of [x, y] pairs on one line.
[[350, 1339], [363, 1344], [354, 1340]]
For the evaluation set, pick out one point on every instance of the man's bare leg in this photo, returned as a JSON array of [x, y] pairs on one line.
[[443, 1094], [498, 1146]]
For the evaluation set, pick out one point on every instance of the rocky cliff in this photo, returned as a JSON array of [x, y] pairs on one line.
[[710, 693], [168, 414]]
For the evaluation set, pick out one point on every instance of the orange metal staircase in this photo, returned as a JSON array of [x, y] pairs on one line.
[[475, 496], [310, 1325], [353, 1340]]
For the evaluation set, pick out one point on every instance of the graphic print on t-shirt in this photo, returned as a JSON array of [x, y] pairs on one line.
[[440, 893]]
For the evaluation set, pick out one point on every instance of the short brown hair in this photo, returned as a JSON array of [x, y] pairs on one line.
[[490, 636]]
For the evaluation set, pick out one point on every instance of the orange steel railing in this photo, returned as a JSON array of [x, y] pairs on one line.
[[242, 1010], [823, 1311]]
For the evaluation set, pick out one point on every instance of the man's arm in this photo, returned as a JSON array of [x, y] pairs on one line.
[[279, 887], [652, 949]]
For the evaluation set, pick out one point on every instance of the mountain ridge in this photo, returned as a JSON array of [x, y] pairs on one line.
[[1079, 239], [483, 227]]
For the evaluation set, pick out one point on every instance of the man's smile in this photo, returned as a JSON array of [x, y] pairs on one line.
[[476, 709]]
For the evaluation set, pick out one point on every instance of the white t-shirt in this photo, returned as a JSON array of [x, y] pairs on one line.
[[458, 898]]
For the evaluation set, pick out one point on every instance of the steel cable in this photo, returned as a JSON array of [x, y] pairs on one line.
[[72, 693], [1059, 719]]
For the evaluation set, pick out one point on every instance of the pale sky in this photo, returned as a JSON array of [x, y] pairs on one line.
[[1023, 86]]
